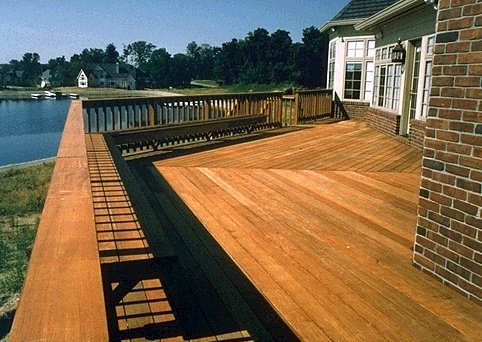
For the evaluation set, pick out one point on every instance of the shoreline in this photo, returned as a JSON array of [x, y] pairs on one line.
[[23, 165], [91, 93]]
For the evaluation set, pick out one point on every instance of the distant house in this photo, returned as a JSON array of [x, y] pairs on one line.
[[107, 75], [45, 78], [391, 90]]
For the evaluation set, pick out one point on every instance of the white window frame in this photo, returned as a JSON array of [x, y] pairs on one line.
[[353, 46], [425, 76], [331, 65], [387, 80]]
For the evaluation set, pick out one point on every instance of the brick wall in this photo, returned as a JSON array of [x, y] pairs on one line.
[[356, 109], [448, 241], [384, 121], [379, 119], [417, 133]]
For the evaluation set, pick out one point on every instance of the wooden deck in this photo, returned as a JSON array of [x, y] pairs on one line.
[[300, 233], [321, 221]]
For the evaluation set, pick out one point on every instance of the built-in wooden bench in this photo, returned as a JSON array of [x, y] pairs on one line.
[[62, 297], [180, 132]]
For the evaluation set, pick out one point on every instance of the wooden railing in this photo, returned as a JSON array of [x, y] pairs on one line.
[[313, 105], [111, 115]]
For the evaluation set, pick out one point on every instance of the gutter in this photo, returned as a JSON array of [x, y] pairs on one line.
[[336, 23], [389, 12]]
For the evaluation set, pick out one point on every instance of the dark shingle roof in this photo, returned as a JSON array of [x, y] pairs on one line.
[[362, 9]]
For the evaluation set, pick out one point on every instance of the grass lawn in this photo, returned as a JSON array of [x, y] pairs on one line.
[[22, 196], [96, 93]]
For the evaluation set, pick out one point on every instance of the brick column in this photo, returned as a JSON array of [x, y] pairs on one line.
[[448, 241]]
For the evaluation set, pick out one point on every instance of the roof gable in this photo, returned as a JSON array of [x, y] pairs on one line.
[[357, 9]]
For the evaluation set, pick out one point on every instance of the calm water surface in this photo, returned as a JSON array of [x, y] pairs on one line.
[[30, 129]]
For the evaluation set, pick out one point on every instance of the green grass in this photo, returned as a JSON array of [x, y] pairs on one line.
[[242, 88], [96, 93], [22, 196], [205, 83]]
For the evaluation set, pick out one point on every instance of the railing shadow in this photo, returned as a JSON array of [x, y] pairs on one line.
[[152, 292], [196, 147], [188, 232], [339, 110]]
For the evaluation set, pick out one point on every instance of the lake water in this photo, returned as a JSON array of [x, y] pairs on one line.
[[30, 129]]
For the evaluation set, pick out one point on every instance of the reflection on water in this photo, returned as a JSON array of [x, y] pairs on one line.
[[30, 129]]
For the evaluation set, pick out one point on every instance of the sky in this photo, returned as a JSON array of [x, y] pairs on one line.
[[55, 28]]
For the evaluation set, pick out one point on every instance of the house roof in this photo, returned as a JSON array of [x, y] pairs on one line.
[[356, 11], [396, 9], [98, 70]]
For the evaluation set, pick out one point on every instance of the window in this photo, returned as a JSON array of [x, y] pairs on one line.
[[387, 80], [381, 85], [376, 78], [368, 81], [415, 77], [430, 44], [353, 80], [389, 87], [355, 48], [371, 48], [331, 74], [397, 81], [331, 65], [332, 50], [426, 88], [359, 69], [384, 53]]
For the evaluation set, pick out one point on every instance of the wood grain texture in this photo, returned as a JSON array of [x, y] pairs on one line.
[[322, 222], [62, 298]]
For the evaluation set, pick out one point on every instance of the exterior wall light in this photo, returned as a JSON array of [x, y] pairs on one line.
[[398, 53]]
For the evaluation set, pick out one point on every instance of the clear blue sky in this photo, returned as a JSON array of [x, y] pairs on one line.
[[55, 28]]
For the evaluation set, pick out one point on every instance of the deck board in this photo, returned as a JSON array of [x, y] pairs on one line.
[[322, 222]]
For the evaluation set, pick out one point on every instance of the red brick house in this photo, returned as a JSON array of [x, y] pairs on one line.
[[430, 97]]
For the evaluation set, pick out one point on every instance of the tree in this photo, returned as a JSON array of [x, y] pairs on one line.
[[280, 56], [256, 62], [158, 68], [312, 58], [111, 55], [227, 66], [92, 56], [180, 70], [202, 60], [30, 65], [138, 53], [60, 71]]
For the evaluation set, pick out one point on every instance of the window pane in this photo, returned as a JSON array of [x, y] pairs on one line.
[[426, 88], [430, 44], [384, 53], [371, 48], [332, 50], [353, 76], [381, 88], [368, 81], [355, 48]]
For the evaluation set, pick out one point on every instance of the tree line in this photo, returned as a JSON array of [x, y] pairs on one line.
[[259, 58]]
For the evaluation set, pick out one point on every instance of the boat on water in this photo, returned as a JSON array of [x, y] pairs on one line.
[[50, 94], [53, 95]]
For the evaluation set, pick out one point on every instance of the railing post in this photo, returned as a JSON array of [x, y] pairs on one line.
[[151, 113], [206, 109], [297, 109]]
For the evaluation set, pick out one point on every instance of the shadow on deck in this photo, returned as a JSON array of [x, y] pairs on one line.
[[163, 275]]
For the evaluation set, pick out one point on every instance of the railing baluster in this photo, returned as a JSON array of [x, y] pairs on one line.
[[120, 114]]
